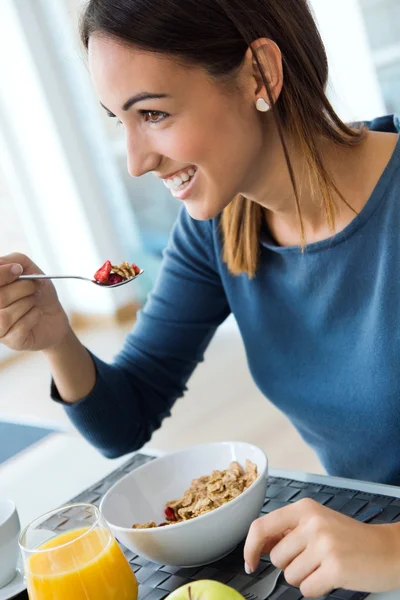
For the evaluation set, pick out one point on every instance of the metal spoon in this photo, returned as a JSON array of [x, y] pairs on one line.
[[79, 277]]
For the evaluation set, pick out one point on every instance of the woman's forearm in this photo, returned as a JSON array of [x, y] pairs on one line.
[[72, 368]]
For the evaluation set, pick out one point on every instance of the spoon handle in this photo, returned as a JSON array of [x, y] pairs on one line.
[[54, 277]]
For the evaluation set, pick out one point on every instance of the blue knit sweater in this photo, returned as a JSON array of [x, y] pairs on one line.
[[321, 332]]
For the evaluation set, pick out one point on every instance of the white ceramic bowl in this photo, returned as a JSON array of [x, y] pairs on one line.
[[141, 496]]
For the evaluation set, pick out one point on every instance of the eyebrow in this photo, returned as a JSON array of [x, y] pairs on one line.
[[138, 98]]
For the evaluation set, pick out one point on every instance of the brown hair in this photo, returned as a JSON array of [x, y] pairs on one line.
[[215, 34]]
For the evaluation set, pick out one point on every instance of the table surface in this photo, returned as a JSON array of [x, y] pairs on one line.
[[72, 465]]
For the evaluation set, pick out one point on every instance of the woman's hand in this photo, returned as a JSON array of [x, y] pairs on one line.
[[321, 550], [31, 316]]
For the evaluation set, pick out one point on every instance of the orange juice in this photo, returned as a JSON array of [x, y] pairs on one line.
[[81, 564]]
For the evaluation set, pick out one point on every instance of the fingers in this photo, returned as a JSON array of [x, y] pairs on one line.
[[19, 310], [319, 583], [301, 568], [20, 336], [12, 314], [265, 531], [11, 293], [9, 273], [285, 551], [15, 260], [310, 548], [16, 257], [11, 289]]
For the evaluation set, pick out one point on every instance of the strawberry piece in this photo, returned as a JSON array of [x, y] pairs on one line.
[[103, 273], [114, 278], [170, 514], [135, 268]]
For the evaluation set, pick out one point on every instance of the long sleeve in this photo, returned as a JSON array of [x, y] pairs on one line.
[[134, 393]]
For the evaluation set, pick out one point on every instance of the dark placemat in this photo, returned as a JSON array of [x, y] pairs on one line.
[[157, 581]]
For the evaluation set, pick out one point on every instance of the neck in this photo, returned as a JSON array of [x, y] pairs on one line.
[[272, 188]]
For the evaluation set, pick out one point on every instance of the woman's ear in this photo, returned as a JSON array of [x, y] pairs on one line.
[[270, 59]]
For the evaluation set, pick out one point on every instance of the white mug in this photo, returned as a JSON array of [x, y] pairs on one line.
[[9, 533]]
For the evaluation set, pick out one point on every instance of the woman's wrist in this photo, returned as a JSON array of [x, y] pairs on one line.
[[72, 367], [68, 341]]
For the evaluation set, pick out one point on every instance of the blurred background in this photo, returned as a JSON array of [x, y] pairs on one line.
[[67, 201]]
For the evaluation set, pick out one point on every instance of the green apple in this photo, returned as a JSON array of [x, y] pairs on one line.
[[205, 589]]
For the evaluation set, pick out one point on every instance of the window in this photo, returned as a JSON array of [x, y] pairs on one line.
[[12, 235], [382, 22]]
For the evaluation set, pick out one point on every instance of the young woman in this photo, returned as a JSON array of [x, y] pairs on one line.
[[289, 219]]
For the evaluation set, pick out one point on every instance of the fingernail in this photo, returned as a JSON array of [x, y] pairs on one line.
[[16, 269], [248, 569]]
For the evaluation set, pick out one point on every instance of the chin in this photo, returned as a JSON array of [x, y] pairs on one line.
[[200, 211]]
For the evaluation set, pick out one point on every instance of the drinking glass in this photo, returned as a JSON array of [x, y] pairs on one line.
[[81, 560]]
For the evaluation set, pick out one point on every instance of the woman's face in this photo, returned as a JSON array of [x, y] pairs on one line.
[[198, 125]]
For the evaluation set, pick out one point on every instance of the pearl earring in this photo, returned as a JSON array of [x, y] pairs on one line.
[[262, 105]]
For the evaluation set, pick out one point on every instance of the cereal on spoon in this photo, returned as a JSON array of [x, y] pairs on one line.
[[109, 274]]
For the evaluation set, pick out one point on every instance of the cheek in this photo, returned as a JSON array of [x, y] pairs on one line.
[[216, 145], [186, 146]]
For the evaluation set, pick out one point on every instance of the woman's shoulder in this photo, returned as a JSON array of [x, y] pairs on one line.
[[382, 153], [386, 123]]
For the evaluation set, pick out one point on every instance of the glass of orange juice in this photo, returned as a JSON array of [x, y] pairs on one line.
[[83, 562]]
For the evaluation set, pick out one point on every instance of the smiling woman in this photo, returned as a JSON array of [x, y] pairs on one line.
[[210, 90], [289, 220]]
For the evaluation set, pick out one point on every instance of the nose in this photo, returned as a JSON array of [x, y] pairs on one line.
[[141, 159]]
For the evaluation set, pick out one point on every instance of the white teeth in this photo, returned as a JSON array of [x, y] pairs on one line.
[[179, 181]]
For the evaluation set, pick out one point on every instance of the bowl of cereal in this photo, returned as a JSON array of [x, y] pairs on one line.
[[190, 507]]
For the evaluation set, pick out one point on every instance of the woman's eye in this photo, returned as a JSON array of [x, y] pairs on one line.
[[153, 116]]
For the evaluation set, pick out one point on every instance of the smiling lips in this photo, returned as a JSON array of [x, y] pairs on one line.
[[178, 182]]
